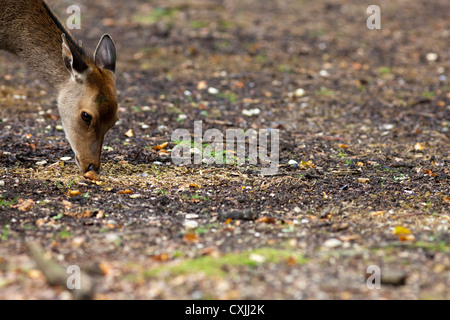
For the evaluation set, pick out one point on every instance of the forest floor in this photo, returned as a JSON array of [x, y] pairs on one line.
[[362, 183]]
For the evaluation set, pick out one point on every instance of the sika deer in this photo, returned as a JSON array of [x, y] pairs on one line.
[[85, 84]]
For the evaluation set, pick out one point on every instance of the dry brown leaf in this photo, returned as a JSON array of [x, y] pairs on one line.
[[128, 191], [363, 180], [160, 257], [265, 220], [190, 237], [129, 133], [419, 146], [73, 193], [105, 268], [194, 185], [25, 205], [161, 146], [291, 261]]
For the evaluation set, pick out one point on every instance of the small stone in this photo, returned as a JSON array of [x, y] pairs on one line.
[[41, 163], [299, 92], [323, 73], [191, 216], [212, 90], [293, 163], [181, 117], [190, 224], [144, 126], [431, 56], [65, 158], [332, 243], [59, 127]]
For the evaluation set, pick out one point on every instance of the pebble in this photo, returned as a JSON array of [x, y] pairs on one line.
[[41, 163], [332, 243], [323, 73], [190, 224], [146, 108], [212, 90], [157, 163], [299, 92], [251, 112], [181, 117], [2, 183], [65, 158], [59, 127], [145, 126], [293, 163], [191, 216], [431, 56]]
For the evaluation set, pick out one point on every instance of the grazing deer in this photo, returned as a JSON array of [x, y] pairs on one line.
[[87, 101]]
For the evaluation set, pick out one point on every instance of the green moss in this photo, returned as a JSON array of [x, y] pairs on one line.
[[215, 266]]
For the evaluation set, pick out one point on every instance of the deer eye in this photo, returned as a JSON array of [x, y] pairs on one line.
[[86, 117]]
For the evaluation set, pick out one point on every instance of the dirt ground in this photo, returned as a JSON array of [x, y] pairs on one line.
[[363, 178]]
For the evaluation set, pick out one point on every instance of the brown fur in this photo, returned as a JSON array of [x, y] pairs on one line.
[[29, 30]]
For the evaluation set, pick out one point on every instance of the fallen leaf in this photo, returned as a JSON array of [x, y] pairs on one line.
[[343, 146], [401, 230], [377, 213], [160, 257], [129, 133], [128, 191], [190, 237], [406, 237], [306, 164], [418, 146], [291, 261], [105, 268], [265, 220], [25, 205], [73, 193], [194, 185], [161, 146]]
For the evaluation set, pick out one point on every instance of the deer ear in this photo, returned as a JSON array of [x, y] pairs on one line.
[[105, 53], [73, 61]]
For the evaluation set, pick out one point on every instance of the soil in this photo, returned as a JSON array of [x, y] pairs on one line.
[[364, 152]]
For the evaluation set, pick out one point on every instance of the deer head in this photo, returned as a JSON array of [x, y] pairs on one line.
[[87, 101]]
